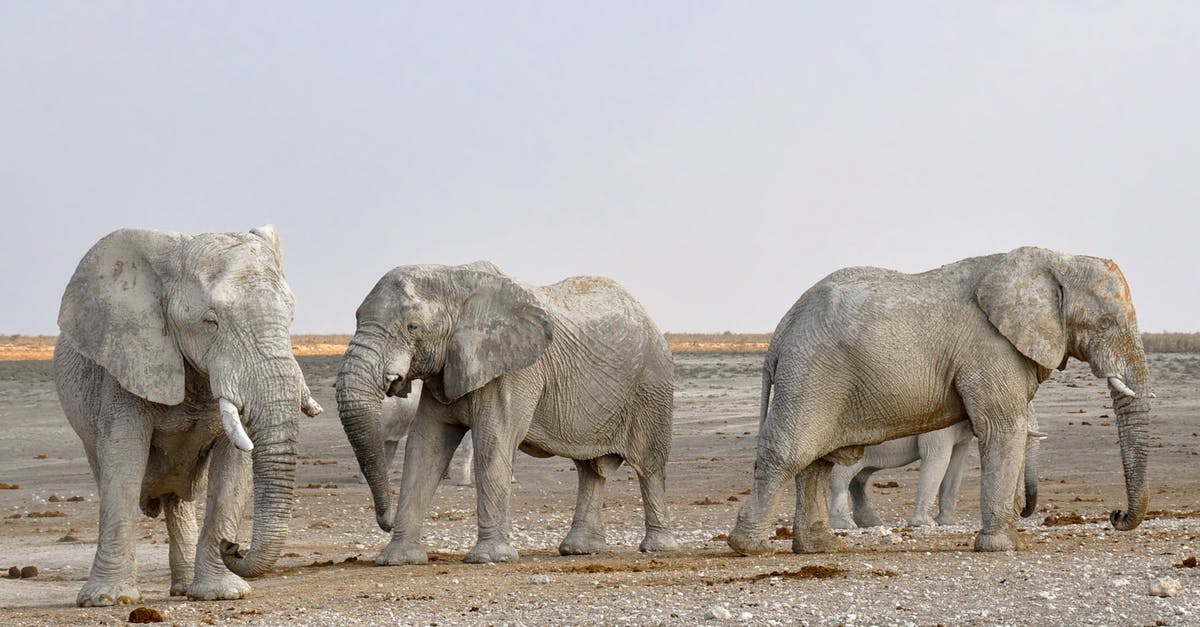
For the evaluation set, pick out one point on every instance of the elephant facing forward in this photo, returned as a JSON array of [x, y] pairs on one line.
[[868, 355], [575, 369], [175, 368]]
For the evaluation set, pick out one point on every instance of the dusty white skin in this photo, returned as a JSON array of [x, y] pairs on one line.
[[868, 355], [575, 369], [174, 359], [395, 418]]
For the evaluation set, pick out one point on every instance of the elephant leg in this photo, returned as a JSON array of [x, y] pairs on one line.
[[229, 485], [1002, 455], [653, 483], [810, 528], [841, 516], [935, 460], [864, 513], [948, 492], [122, 449], [495, 438], [459, 470], [431, 444], [587, 527], [182, 532], [751, 533]]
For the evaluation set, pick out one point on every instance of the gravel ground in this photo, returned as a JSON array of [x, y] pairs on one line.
[[1081, 573]]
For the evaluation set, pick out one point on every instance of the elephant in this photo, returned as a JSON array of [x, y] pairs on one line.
[[943, 455], [395, 418], [576, 369], [869, 354], [174, 366]]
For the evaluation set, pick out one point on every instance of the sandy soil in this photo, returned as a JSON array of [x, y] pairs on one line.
[[1071, 574]]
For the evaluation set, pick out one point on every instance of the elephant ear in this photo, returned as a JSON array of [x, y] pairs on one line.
[[113, 312], [268, 233], [1022, 297], [500, 328]]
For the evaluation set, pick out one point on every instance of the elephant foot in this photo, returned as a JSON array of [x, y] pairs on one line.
[[842, 522], [401, 553], [868, 518], [657, 540], [922, 520], [583, 541], [946, 519], [180, 588], [819, 540], [743, 544], [486, 552], [1003, 541], [225, 587], [458, 476], [106, 593]]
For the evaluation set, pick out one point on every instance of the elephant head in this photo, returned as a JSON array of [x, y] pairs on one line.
[[455, 328], [175, 317], [1052, 306]]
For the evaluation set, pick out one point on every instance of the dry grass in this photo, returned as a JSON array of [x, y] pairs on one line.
[[41, 347]]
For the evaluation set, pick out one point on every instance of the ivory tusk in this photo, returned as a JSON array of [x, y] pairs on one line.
[[232, 421], [1037, 435], [310, 406], [1119, 385]]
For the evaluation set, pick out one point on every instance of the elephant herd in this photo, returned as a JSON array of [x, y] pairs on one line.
[[174, 366]]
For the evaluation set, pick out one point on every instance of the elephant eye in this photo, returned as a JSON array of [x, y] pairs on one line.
[[413, 327], [210, 319]]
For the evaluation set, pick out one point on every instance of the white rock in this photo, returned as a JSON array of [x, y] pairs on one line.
[[717, 612], [744, 616], [539, 580], [1165, 587]]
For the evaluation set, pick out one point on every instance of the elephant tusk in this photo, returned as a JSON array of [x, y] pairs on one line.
[[232, 421], [311, 407], [1037, 435], [1119, 385]]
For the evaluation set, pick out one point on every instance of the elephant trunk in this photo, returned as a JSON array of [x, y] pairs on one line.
[[1133, 428], [273, 427], [360, 394]]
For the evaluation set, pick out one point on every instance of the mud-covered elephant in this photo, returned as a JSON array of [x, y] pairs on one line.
[[868, 355], [396, 417], [576, 369], [174, 366], [943, 455]]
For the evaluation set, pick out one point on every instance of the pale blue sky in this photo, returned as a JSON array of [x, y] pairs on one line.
[[716, 158]]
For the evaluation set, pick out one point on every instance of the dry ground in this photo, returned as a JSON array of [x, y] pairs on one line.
[[1071, 574]]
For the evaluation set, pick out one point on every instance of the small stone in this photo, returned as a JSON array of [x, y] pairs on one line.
[[29, 572], [145, 615], [1165, 587], [744, 617], [718, 612], [539, 580], [14, 572]]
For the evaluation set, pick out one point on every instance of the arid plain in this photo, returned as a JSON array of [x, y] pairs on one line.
[[1077, 570]]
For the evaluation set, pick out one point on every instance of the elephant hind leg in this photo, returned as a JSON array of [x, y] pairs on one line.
[[810, 529], [653, 484], [587, 527], [182, 532], [864, 513]]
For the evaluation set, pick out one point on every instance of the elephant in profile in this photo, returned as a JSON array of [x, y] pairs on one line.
[[868, 355], [576, 369], [943, 455], [174, 366], [395, 418]]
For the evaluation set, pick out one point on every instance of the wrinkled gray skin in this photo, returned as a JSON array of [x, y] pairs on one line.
[[868, 355], [156, 327], [943, 455], [395, 418], [575, 369]]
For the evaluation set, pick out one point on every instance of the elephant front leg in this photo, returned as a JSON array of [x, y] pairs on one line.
[[182, 531], [121, 452], [427, 453], [229, 480], [1002, 456], [810, 529], [494, 450], [751, 533]]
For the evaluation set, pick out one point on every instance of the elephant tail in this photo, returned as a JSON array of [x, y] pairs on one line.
[[768, 380]]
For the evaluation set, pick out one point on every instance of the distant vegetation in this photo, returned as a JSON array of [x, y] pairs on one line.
[[21, 347]]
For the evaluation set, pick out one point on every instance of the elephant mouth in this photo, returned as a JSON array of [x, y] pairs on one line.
[[399, 386]]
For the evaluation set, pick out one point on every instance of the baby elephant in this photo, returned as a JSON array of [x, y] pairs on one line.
[[942, 453], [395, 419], [575, 369]]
